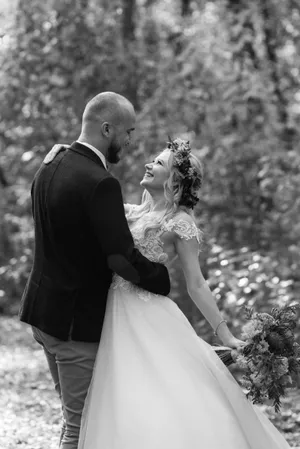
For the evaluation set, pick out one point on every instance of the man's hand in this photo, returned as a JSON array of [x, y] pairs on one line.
[[53, 152]]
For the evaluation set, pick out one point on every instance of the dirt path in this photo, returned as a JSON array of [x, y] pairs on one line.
[[30, 409]]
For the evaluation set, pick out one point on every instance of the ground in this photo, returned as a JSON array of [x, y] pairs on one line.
[[30, 409]]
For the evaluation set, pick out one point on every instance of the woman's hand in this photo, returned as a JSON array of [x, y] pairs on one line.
[[234, 343], [53, 152]]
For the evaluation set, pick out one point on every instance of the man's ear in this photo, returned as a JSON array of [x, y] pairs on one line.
[[106, 129]]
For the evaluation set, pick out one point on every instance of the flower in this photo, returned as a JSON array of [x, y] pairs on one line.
[[271, 356], [252, 329], [191, 179], [266, 318], [257, 379], [241, 361], [263, 346], [281, 366]]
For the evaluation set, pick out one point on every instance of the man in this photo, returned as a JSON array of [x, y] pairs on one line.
[[81, 238]]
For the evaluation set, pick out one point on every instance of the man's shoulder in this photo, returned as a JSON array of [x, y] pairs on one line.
[[81, 166], [70, 171]]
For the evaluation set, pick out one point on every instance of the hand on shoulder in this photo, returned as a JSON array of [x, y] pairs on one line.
[[54, 152]]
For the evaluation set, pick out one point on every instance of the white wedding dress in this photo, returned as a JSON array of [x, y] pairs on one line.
[[156, 384]]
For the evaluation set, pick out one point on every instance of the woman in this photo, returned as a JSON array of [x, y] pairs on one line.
[[156, 384]]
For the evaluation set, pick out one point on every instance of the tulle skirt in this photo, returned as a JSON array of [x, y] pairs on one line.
[[157, 385]]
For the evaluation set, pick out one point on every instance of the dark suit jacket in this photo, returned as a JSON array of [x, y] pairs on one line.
[[81, 238]]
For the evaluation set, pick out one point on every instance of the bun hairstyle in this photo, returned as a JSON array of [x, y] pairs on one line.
[[186, 173]]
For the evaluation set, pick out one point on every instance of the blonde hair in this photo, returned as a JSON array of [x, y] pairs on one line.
[[173, 191]]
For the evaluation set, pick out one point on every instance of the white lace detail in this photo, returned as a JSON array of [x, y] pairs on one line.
[[184, 229], [144, 295], [152, 247], [131, 208]]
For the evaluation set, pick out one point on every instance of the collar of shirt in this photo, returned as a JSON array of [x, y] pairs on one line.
[[99, 154]]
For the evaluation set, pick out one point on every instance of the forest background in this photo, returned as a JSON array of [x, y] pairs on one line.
[[222, 73]]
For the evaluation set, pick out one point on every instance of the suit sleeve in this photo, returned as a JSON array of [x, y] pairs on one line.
[[106, 212]]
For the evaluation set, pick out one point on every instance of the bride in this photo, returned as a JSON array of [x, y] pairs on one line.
[[156, 384]]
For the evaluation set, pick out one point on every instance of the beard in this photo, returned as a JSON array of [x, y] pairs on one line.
[[113, 153]]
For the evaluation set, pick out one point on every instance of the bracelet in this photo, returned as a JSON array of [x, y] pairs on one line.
[[216, 331]]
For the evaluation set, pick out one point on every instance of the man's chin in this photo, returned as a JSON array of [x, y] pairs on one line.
[[114, 155], [115, 159]]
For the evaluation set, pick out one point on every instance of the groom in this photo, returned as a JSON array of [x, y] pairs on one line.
[[81, 238]]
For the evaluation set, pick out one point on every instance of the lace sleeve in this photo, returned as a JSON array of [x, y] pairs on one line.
[[184, 229]]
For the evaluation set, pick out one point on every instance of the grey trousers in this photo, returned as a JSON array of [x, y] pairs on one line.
[[71, 365]]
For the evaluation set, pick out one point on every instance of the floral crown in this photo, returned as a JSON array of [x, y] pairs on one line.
[[191, 179]]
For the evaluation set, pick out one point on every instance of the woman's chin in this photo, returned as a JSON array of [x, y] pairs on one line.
[[144, 183]]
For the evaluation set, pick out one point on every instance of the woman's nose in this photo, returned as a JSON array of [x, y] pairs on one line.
[[148, 166]]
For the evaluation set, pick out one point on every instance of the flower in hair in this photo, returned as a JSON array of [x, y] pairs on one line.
[[191, 179]]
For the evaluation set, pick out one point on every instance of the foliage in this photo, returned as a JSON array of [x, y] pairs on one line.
[[222, 74]]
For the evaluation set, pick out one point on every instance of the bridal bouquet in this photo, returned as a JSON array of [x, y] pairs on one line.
[[271, 355]]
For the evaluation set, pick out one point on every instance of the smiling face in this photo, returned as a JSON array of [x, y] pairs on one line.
[[157, 172]]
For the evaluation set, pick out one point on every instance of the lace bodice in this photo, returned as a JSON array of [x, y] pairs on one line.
[[152, 247]]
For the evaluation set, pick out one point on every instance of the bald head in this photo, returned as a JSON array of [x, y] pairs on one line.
[[107, 122], [107, 107]]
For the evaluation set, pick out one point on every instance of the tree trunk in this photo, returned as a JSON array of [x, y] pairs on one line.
[[84, 4], [129, 7], [185, 8], [236, 7], [271, 46], [131, 58], [3, 180]]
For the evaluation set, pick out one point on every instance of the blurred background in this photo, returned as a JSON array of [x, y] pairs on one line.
[[222, 73]]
